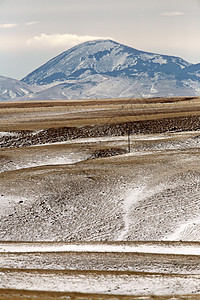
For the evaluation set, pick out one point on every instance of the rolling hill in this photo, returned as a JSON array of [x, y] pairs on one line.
[[11, 89], [100, 199]]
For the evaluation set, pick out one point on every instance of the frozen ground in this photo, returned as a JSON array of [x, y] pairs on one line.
[[134, 247], [81, 212], [130, 196], [118, 268], [120, 283]]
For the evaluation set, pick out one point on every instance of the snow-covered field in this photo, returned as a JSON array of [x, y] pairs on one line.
[[146, 186], [98, 214], [159, 248], [102, 283], [106, 268]]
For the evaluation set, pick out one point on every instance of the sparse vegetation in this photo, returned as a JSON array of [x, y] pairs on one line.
[[66, 175]]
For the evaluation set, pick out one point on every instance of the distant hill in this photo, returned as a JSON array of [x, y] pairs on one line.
[[11, 89]]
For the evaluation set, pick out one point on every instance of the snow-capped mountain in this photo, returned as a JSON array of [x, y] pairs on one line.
[[107, 58], [11, 89], [107, 69]]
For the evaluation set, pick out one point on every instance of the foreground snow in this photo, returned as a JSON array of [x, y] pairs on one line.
[[104, 268], [159, 248], [120, 283]]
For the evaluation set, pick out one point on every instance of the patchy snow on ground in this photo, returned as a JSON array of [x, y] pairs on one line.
[[8, 203], [193, 249], [188, 230], [59, 160], [134, 195], [123, 139], [45, 160], [102, 283], [7, 133]]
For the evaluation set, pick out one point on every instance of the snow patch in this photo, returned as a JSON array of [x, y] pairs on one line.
[[98, 247], [133, 196], [188, 230], [147, 56], [159, 60], [67, 159], [153, 90], [8, 203], [7, 133]]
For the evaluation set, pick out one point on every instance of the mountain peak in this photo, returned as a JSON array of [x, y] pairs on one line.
[[68, 61], [106, 68], [105, 57]]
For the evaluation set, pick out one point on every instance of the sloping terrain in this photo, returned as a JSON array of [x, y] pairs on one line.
[[105, 69], [114, 165], [11, 89], [100, 199]]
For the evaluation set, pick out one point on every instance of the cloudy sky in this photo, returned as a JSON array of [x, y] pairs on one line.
[[33, 31]]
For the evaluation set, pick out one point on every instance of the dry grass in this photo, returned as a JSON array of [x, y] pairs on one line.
[[42, 115], [36, 295]]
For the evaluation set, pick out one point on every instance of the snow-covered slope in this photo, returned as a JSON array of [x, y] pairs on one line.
[[191, 72], [107, 69], [11, 89], [104, 68], [104, 57], [117, 87], [190, 77]]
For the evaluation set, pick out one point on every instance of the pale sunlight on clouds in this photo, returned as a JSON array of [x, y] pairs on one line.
[[6, 26], [32, 23], [173, 13], [57, 40]]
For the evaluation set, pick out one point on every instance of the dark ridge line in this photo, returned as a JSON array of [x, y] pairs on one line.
[[95, 272], [75, 295], [121, 243]]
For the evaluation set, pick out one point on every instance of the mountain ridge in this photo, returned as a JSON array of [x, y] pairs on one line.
[[107, 69], [102, 56], [11, 89]]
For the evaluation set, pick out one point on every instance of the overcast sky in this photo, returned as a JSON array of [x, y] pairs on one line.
[[33, 31]]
